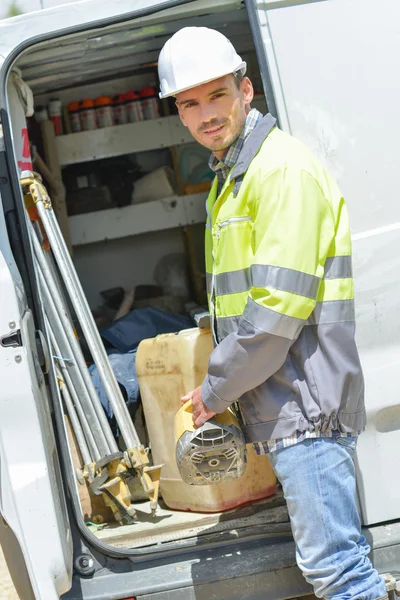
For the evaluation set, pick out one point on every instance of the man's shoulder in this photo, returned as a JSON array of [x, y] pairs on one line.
[[284, 158], [282, 151], [288, 148]]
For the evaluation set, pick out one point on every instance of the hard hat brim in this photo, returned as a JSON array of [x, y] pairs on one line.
[[242, 67]]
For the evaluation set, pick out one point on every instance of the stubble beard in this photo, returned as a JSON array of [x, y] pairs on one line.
[[224, 144], [232, 137]]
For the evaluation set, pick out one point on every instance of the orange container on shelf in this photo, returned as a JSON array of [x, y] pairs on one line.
[[167, 367], [74, 117], [119, 110], [88, 115], [149, 101], [134, 109], [104, 111]]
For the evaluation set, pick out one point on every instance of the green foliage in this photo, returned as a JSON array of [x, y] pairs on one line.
[[13, 10]]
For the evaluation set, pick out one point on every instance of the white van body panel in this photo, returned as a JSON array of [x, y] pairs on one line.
[[63, 19], [334, 65], [31, 491]]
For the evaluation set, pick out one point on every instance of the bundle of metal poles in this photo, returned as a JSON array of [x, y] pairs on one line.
[[105, 467]]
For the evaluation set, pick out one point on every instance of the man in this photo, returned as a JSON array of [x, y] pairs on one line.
[[278, 260]]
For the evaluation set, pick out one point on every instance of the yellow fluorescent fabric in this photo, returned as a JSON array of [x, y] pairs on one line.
[[289, 214], [336, 289], [284, 303], [278, 261]]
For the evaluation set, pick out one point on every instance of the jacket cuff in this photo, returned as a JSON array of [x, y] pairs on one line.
[[211, 400]]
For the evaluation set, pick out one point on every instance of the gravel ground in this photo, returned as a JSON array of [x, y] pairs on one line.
[[7, 590]]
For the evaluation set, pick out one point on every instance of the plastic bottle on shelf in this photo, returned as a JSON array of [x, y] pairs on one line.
[[55, 114], [88, 115], [119, 110], [134, 107], [74, 117], [104, 111], [41, 114], [149, 100]]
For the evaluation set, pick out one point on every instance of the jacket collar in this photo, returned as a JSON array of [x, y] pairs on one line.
[[251, 148]]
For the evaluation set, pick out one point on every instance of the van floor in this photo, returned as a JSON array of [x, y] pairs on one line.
[[172, 525]]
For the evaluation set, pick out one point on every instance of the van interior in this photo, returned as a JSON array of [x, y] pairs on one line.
[[135, 199]]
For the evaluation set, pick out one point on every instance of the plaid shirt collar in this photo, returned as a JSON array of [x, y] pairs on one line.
[[223, 166]]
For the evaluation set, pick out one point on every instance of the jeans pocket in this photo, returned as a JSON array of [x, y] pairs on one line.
[[350, 443]]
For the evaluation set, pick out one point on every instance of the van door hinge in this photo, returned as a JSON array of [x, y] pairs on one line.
[[11, 340]]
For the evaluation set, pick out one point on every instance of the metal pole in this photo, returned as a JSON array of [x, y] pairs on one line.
[[106, 443], [76, 426], [66, 351], [54, 274], [75, 399], [88, 325]]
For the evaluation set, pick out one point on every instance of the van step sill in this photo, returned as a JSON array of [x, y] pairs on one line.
[[169, 525]]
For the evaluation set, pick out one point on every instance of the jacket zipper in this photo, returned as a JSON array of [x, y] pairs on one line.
[[231, 220], [212, 295]]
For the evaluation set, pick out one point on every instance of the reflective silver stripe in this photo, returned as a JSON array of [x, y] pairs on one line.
[[271, 321], [338, 267], [332, 311], [264, 276], [287, 280], [233, 282], [209, 282]]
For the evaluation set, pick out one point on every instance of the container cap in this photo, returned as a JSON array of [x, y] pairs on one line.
[[119, 99], [73, 106], [87, 103], [131, 96], [148, 91], [102, 101]]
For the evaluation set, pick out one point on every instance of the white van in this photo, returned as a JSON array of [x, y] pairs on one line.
[[328, 70]]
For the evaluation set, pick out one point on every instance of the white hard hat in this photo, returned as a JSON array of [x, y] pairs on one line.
[[195, 55]]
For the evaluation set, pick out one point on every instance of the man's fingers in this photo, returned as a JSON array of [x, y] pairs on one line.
[[199, 421], [186, 397], [196, 414]]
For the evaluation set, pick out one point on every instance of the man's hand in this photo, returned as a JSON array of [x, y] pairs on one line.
[[201, 413]]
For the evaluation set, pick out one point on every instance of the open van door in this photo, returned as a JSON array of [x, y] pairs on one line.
[[34, 528], [34, 532]]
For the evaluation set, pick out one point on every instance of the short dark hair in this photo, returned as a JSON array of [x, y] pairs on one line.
[[238, 76]]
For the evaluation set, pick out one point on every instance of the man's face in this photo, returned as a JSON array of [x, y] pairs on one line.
[[215, 112]]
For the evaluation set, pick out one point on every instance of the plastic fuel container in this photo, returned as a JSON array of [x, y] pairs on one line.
[[167, 367]]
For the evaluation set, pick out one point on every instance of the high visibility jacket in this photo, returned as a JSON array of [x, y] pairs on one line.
[[280, 289]]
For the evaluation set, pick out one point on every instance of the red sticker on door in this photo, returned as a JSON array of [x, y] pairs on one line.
[[26, 164]]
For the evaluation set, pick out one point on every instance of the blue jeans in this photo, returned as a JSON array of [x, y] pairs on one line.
[[319, 485]]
